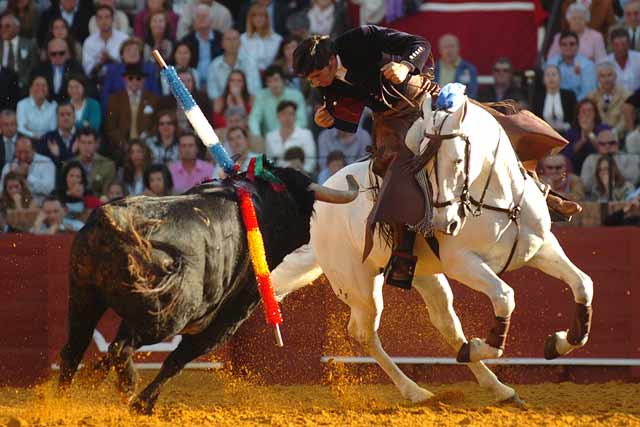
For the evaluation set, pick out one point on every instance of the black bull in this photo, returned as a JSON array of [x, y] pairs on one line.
[[178, 265]]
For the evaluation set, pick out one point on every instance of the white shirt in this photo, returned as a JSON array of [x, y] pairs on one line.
[[262, 50], [35, 121], [5, 52], [41, 177], [321, 21], [94, 44], [553, 106], [275, 147], [629, 77], [219, 72]]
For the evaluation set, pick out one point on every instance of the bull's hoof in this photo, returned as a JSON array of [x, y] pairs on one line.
[[141, 407], [514, 401], [550, 349], [464, 354]]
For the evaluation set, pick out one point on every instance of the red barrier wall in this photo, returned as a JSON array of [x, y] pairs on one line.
[[33, 287]]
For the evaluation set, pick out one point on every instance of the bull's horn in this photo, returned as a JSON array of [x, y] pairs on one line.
[[331, 195]]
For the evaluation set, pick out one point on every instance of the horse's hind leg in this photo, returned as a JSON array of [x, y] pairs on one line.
[[437, 295], [552, 260], [363, 327], [471, 270]]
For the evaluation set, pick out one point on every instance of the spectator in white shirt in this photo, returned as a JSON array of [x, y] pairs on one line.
[[230, 60], [36, 116], [260, 41], [221, 17], [38, 170], [103, 46], [120, 19], [627, 62], [289, 135]]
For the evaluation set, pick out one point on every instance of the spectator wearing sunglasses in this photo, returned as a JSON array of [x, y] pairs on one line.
[[577, 73], [607, 145], [503, 85], [57, 68], [555, 173], [609, 97]]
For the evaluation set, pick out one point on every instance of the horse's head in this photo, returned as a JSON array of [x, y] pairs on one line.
[[451, 170]]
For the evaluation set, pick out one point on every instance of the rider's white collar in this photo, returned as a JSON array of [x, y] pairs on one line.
[[341, 72]]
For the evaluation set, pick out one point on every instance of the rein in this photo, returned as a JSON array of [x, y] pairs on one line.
[[465, 199]]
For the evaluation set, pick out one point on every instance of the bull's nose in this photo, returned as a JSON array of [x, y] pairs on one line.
[[452, 227]]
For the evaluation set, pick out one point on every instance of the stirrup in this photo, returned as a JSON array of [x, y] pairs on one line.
[[396, 259]]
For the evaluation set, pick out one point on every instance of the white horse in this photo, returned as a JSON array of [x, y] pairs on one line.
[[472, 248]]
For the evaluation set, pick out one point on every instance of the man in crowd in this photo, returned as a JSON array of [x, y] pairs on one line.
[[59, 145], [609, 97], [102, 47], [205, 43], [8, 136], [52, 219], [263, 117], [100, 170], [503, 85], [38, 171], [577, 73], [230, 60], [189, 170], [630, 23], [288, 135], [452, 68], [131, 113], [16, 53], [626, 61], [221, 19], [58, 65]]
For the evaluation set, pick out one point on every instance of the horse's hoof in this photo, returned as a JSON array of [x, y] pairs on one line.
[[418, 395], [464, 354], [550, 350], [515, 401]]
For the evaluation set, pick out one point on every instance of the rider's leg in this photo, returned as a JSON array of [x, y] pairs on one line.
[[402, 264]]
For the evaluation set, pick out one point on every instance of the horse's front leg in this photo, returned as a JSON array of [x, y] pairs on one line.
[[469, 269]]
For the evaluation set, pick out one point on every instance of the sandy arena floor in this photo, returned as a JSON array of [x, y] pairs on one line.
[[205, 398]]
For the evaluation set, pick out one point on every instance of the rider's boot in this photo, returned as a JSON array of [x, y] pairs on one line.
[[401, 266]]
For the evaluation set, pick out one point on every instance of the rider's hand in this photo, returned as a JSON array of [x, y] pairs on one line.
[[395, 72], [323, 118]]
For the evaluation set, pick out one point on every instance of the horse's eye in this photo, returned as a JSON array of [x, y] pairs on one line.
[[459, 161]]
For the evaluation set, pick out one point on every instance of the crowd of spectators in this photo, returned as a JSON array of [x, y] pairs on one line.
[[85, 116]]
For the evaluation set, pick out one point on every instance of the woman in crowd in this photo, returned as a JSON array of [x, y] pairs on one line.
[[15, 193], [235, 98], [164, 144], [59, 29], [27, 14], [260, 41], [556, 106], [590, 41], [115, 191], [284, 59], [180, 59], [582, 136], [158, 36], [36, 116], [608, 170], [158, 181], [155, 6], [88, 112], [74, 191], [132, 174]]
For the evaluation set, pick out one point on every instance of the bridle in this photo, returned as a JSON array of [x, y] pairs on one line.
[[465, 199]]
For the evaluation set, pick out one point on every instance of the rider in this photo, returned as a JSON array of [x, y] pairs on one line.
[[380, 68]]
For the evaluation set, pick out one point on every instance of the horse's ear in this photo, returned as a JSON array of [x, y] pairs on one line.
[[426, 108]]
